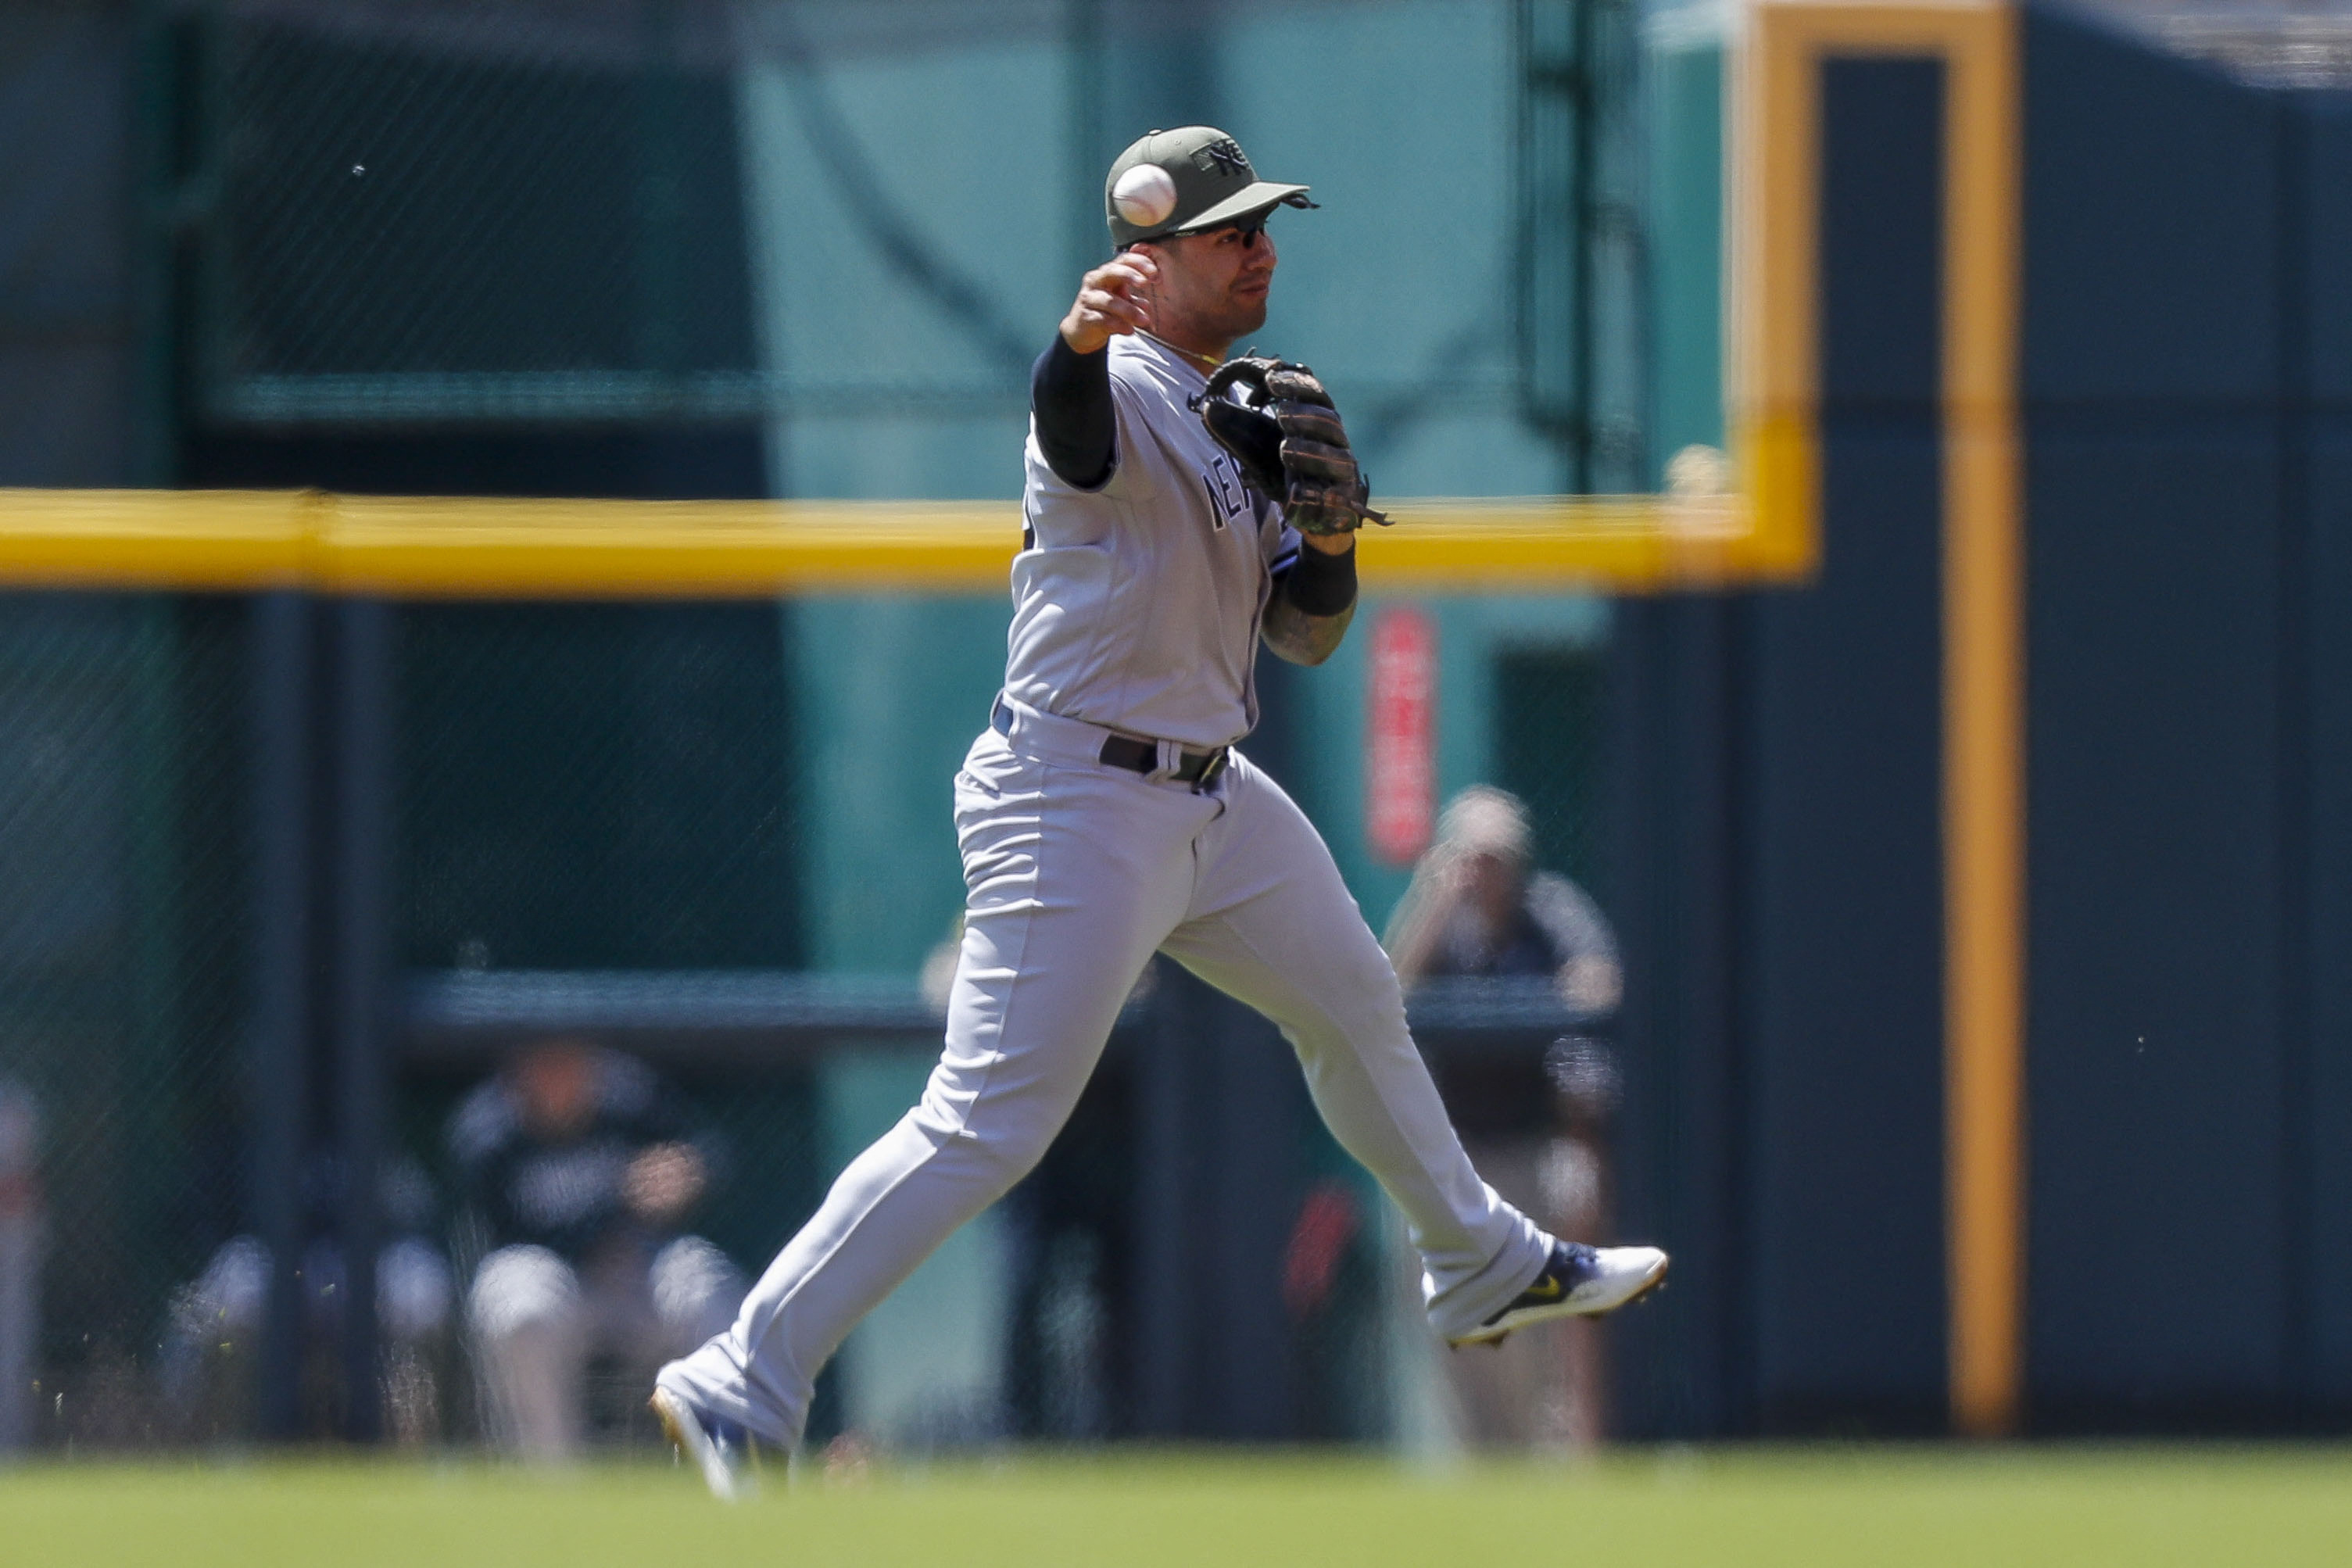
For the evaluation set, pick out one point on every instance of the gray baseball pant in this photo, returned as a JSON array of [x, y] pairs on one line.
[[1077, 873]]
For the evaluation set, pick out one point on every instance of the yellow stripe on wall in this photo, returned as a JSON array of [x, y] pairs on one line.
[[1776, 215], [473, 548], [1984, 728]]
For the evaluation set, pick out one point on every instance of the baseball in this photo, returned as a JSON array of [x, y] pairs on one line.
[[1144, 195]]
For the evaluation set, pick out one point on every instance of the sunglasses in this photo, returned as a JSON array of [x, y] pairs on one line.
[[1249, 228]]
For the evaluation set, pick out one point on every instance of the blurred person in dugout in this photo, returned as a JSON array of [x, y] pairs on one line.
[[580, 1170], [1478, 909]]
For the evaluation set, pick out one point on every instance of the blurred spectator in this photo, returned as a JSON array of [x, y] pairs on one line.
[[579, 1165], [20, 1261], [1575, 1187], [1476, 906]]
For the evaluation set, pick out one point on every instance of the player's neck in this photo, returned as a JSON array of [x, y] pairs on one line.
[[1192, 351]]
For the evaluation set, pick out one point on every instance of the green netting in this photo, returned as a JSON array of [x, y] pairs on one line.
[[526, 211], [119, 1006], [657, 759], [466, 211], [578, 789]]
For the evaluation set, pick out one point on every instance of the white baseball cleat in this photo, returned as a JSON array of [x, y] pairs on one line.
[[724, 1452], [1580, 1281]]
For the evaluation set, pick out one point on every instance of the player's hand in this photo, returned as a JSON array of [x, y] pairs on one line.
[[1591, 984], [1113, 301], [662, 1183]]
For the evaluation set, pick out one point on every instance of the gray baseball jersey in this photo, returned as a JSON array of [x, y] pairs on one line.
[[1136, 606]]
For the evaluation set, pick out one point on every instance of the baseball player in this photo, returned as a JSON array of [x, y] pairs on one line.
[[1180, 509]]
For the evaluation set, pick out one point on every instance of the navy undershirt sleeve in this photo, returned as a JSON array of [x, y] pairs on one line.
[[1319, 584], [1076, 429]]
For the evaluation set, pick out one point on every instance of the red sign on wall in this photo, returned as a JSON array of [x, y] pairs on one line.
[[1401, 736]]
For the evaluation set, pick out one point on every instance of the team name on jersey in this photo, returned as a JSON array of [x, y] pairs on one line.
[[1226, 498]]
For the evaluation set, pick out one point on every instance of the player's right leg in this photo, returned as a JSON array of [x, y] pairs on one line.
[[1074, 872]]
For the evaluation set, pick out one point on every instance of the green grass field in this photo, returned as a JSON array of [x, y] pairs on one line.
[[1817, 1508]]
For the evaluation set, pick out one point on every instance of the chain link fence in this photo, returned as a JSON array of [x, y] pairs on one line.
[[598, 874], [578, 788], [118, 1059], [465, 211], [320, 922]]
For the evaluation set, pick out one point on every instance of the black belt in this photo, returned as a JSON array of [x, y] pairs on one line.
[[1199, 769]]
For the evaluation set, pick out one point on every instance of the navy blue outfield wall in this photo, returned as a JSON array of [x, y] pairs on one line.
[[1783, 907], [2185, 382], [2185, 393]]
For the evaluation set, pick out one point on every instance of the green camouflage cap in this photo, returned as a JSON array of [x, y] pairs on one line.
[[1184, 181]]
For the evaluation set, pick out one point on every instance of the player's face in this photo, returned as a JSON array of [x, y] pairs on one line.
[[1494, 882], [556, 1082], [1216, 283]]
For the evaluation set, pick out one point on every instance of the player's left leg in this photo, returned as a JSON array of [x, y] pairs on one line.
[[1274, 925], [532, 1326], [1074, 871]]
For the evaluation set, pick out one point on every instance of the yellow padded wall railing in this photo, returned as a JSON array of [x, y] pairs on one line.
[[473, 548]]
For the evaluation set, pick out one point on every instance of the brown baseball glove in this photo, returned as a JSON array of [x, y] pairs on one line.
[[1289, 443]]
